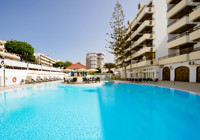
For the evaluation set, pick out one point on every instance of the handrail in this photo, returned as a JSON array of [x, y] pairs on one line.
[[138, 61], [168, 56], [196, 7], [173, 22], [177, 36], [177, 54], [196, 28]]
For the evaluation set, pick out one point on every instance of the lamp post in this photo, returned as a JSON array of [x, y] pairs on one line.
[[3, 67]]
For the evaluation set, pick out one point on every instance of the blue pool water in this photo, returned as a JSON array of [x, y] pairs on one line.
[[111, 111]]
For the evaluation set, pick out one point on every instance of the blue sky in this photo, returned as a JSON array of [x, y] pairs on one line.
[[62, 29]]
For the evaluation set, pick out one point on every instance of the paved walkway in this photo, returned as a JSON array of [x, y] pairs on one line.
[[193, 88], [10, 87]]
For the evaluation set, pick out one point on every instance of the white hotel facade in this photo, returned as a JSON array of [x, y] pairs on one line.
[[11, 67], [164, 41]]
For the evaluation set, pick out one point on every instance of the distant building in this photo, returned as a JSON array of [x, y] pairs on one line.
[[44, 60], [5, 54], [95, 60]]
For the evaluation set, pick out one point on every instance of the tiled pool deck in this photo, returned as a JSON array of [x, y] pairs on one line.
[[193, 88]]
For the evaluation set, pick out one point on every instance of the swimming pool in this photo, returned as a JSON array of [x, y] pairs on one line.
[[108, 111]]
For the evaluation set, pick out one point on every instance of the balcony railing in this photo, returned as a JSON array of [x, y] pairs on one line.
[[173, 22], [171, 7], [144, 7], [177, 54], [196, 28], [141, 60], [178, 36]]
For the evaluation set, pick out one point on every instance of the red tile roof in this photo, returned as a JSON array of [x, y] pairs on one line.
[[77, 66]]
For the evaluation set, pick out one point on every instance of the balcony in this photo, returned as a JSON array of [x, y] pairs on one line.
[[45, 63], [9, 55], [173, 59], [195, 16], [1, 48], [195, 55], [146, 26], [146, 37], [143, 51], [180, 9], [146, 13], [180, 25], [134, 25], [48, 58], [132, 46], [195, 35], [178, 41], [135, 36], [128, 58], [172, 1], [142, 64]]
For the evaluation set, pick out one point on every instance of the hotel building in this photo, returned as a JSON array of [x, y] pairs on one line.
[[5, 54], [183, 60], [44, 60], [95, 60], [147, 40]]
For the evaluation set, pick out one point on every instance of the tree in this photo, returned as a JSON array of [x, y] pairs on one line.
[[59, 64], [23, 49], [109, 66], [117, 43], [67, 64], [99, 70]]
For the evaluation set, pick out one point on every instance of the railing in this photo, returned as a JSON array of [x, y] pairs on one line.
[[196, 7], [177, 36], [177, 54], [196, 28], [196, 49], [173, 6], [168, 56], [143, 9], [173, 22], [141, 61]]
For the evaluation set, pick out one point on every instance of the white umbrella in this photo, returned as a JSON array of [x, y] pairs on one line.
[[82, 70], [92, 70], [67, 70]]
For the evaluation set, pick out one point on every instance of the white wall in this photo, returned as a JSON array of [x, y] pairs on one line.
[[160, 28], [192, 70], [22, 74]]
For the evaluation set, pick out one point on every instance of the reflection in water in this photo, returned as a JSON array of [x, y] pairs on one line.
[[145, 112]]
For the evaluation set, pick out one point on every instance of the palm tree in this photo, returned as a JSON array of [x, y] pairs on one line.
[[109, 66]]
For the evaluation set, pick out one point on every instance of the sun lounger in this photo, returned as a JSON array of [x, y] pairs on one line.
[[97, 79]]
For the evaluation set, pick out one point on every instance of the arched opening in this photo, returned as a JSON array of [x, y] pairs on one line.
[[166, 74], [182, 74], [198, 74]]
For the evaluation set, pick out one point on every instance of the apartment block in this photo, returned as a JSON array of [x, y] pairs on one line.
[[183, 60], [147, 39], [5, 54], [95, 60], [44, 60]]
